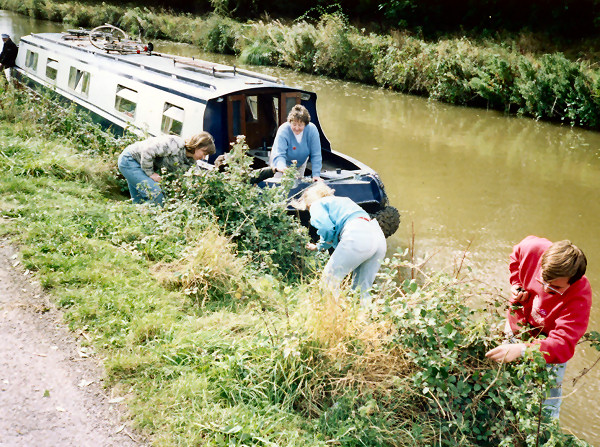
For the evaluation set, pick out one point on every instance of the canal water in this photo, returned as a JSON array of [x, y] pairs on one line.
[[463, 179]]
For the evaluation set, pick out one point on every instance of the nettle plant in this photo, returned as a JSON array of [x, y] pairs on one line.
[[465, 398], [254, 218]]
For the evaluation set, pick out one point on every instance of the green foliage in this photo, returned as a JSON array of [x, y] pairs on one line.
[[494, 81], [456, 71], [556, 88], [342, 52], [398, 11], [254, 218], [446, 340], [401, 66], [298, 46], [259, 42], [593, 338], [218, 34]]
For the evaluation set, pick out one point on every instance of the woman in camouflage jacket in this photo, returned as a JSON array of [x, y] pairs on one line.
[[140, 162]]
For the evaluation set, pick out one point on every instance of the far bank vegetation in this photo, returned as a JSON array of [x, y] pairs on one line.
[[481, 72]]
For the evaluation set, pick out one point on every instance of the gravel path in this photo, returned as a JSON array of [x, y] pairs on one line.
[[51, 390]]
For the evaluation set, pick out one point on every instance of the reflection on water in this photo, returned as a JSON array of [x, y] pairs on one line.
[[18, 26], [463, 176]]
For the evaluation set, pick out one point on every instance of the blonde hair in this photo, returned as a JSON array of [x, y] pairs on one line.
[[312, 194], [201, 140]]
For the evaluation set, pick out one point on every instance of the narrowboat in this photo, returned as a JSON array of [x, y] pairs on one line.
[[124, 84]]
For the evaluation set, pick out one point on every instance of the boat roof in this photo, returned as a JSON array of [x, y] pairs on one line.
[[203, 79]]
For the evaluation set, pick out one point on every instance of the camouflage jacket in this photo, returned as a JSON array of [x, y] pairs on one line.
[[167, 151]]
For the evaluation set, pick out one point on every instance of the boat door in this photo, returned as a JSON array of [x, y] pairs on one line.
[[258, 115]]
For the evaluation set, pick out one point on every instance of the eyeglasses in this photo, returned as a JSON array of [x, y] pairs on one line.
[[550, 287]]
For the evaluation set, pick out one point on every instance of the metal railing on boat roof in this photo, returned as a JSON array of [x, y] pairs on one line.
[[215, 68]]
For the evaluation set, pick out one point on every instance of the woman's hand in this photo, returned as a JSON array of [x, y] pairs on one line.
[[519, 294], [506, 353], [312, 247], [157, 178]]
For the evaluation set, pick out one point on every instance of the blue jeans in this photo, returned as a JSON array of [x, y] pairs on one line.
[[360, 251], [552, 403], [141, 187]]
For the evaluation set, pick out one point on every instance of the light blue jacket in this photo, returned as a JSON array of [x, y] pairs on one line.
[[329, 215], [287, 149]]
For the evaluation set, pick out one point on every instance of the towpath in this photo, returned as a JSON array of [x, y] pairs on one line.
[[51, 390]]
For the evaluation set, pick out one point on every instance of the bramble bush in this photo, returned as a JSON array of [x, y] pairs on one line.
[[464, 398], [254, 218]]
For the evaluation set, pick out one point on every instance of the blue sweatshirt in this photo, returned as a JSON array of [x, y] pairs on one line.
[[329, 215], [287, 149]]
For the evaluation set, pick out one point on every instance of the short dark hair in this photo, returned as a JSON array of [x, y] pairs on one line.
[[563, 260]]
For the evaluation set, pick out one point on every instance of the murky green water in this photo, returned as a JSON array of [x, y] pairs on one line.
[[462, 178]]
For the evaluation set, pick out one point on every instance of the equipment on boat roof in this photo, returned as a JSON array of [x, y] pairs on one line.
[[111, 38]]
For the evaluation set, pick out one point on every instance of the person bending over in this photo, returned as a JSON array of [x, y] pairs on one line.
[[357, 239], [140, 162], [550, 297]]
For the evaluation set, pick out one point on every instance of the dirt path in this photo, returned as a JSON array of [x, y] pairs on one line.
[[50, 393]]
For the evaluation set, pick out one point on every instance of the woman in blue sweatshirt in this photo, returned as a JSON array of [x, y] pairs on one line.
[[297, 140], [357, 239]]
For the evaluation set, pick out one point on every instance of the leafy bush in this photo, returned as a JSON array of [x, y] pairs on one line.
[[218, 34], [254, 218], [558, 89], [258, 43], [445, 338], [342, 52], [494, 81], [401, 66]]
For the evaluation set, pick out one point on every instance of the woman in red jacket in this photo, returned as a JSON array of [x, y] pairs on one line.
[[550, 296]]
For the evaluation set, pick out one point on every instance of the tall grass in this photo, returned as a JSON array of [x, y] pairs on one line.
[[211, 347]]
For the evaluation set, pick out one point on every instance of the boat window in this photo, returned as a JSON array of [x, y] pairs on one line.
[[51, 69], [126, 100], [31, 60], [172, 121], [275, 106], [236, 116], [79, 81], [289, 103], [288, 100], [252, 108]]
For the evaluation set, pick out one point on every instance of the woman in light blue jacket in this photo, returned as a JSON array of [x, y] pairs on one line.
[[297, 141], [357, 239]]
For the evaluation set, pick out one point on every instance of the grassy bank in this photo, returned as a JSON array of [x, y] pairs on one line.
[[213, 327], [490, 74]]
